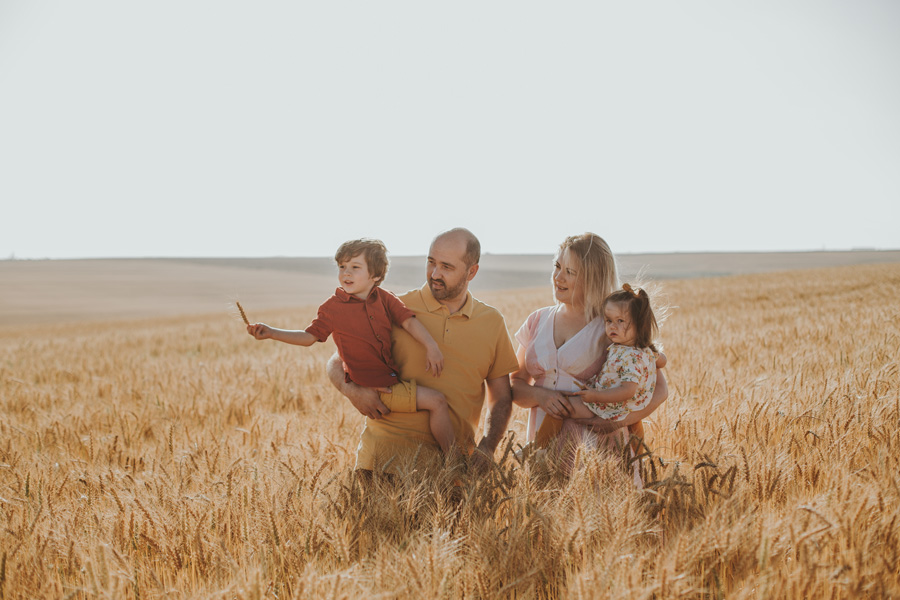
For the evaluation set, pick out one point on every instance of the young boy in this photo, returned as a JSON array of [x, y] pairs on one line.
[[360, 315]]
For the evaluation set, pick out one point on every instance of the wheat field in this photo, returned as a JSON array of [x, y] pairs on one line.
[[179, 458]]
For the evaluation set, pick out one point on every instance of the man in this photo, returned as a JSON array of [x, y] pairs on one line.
[[478, 358]]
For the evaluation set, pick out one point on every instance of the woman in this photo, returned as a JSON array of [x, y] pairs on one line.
[[563, 345]]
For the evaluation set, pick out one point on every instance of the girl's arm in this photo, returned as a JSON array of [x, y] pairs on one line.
[[620, 393], [434, 359], [297, 337]]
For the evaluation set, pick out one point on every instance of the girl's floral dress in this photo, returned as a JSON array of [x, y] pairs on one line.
[[625, 364]]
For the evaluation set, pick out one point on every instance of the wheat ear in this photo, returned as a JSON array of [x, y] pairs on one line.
[[243, 314]]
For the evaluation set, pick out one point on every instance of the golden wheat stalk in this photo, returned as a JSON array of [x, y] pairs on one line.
[[243, 314]]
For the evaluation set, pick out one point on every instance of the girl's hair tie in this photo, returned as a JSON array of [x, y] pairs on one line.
[[627, 287]]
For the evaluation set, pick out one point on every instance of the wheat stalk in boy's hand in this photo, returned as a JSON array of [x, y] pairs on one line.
[[243, 314]]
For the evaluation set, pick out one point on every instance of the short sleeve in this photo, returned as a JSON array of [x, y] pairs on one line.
[[505, 361], [396, 310], [525, 334], [634, 365], [323, 324]]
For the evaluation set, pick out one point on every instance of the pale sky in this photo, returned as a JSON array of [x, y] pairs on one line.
[[221, 128]]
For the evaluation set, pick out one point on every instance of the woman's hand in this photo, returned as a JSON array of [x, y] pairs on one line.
[[554, 403]]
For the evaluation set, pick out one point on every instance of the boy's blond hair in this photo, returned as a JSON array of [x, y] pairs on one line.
[[374, 251]]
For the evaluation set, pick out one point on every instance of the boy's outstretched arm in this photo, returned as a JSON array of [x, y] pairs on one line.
[[297, 337], [434, 359], [365, 400]]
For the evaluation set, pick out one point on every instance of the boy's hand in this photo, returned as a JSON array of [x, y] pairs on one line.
[[434, 360], [260, 331]]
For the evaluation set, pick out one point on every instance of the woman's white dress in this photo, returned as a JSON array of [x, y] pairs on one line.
[[576, 361]]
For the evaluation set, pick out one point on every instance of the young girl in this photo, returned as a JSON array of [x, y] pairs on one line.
[[626, 382]]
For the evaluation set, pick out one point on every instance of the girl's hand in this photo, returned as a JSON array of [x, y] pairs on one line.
[[588, 396], [260, 331], [553, 402], [434, 360]]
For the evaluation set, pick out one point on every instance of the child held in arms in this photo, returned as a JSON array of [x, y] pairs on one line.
[[360, 315], [628, 377]]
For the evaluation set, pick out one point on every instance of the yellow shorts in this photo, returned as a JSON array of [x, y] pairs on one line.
[[402, 398]]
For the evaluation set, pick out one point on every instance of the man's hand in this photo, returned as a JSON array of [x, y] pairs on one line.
[[481, 458], [365, 400]]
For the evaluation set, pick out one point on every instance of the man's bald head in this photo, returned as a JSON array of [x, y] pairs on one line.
[[472, 253]]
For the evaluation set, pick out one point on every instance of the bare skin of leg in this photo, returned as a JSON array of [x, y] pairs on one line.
[[438, 416], [579, 410]]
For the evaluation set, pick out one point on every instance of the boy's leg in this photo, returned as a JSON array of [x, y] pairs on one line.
[[438, 416], [402, 397]]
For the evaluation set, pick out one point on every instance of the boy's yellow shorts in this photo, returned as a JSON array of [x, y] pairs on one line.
[[402, 398]]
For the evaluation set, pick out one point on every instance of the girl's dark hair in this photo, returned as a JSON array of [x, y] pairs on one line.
[[642, 319]]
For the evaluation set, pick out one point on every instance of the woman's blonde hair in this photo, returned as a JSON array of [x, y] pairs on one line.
[[598, 273]]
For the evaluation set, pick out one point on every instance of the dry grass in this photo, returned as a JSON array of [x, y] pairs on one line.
[[179, 458]]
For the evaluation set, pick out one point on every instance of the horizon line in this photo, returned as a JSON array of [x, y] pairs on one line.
[[12, 257]]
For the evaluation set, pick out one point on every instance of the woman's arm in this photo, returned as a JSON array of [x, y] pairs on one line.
[[527, 395]]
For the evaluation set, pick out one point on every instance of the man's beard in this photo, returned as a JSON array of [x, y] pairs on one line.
[[445, 293]]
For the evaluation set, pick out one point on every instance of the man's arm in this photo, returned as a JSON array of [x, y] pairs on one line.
[[365, 400], [499, 403]]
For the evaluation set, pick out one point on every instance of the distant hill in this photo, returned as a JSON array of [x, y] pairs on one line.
[[54, 291]]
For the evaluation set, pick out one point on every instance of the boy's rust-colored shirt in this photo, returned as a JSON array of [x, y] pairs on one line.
[[362, 333]]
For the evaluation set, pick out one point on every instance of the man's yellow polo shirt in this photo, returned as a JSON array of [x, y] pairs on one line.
[[476, 347]]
